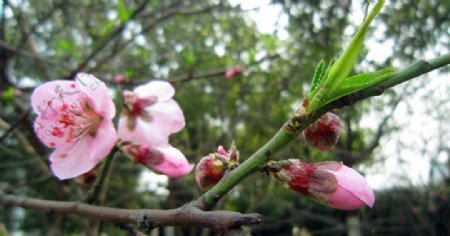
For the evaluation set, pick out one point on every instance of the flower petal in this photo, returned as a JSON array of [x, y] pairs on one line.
[[167, 115], [98, 94], [144, 133], [353, 191], [163, 90], [51, 96], [51, 132], [104, 140], [175, 164], [75, 160]]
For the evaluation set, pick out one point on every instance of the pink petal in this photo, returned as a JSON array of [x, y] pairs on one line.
[[144, 133], [222, 151], [353, 190], [175, 164], [167, 115], [49, 97], [45, 130], [75, 160], [98, 95], [163, 90], [104, 140]]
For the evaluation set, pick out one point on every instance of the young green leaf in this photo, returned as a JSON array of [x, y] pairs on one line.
[[356, 83], [122, 11], [317, 76], [344, 64]]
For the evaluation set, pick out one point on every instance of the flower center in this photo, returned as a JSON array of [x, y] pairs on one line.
[[135, 107], [75, 124]]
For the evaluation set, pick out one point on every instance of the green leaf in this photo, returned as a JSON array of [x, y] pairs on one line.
[[8, 94], [318, 74], [323, 76], [356, 83], [122, 11], [344, 64], [189, 58]]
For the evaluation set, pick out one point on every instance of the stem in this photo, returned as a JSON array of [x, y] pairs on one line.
[[94, 192], [295, 125]]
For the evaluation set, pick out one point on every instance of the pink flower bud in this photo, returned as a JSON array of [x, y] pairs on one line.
[[233, 72], [119, 79], [324, 133], [329, 183], [211, 168], [162, 159]]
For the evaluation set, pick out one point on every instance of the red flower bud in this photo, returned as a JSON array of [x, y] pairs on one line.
[[211, 168], [324, 133], [329, 183], [233, 72]]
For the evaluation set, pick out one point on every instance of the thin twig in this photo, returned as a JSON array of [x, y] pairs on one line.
[[93, 194], [106, 40], [12, 127]]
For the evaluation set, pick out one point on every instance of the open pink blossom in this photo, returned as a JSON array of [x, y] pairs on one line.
[[74, 117], [150, 114], [330, 183], [163, 159]]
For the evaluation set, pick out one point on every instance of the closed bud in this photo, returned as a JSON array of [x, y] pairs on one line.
[[324, 133], [212, 168], [119, 79], [329, 183], [233, 72]]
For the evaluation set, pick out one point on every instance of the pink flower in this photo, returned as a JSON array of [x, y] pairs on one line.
[[163, 159], [324, 133], [150, 114], [75, 119], [233, 72], [329, 183]]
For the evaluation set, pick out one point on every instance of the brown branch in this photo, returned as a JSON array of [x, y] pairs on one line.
[[188, 215]]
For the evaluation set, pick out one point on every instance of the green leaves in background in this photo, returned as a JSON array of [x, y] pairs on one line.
[[122, 11]]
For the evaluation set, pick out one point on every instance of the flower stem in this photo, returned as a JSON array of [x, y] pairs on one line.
[[295, 125], [92, 195]]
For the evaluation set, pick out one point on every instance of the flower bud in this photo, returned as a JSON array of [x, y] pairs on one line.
[[233, 72], [119, 79], [88, 177], [211, 168], [329, 183], [324, 133], [162, 159]]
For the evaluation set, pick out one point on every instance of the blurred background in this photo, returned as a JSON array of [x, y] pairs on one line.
[[399, 141]]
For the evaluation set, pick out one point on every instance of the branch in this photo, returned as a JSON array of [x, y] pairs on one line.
[[105, 41], [296, 124], [92, 195], [152, 23], [186, 216]]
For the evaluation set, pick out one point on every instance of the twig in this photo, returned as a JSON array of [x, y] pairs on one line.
[[186, 216], [296, 124], [15, 125], [94, 192], [152, 23], [105, 41]]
